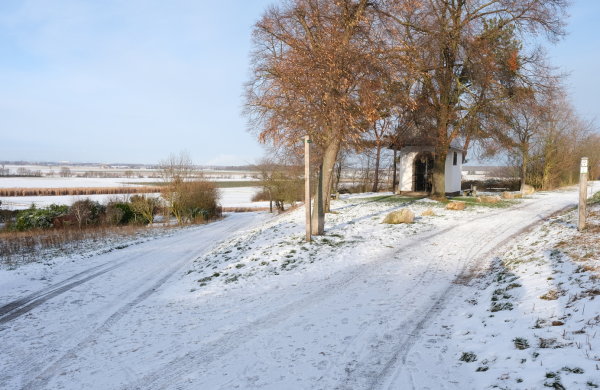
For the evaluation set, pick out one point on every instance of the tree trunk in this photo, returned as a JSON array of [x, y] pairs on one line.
[[524, 162], [338, 176], [376, 178], [439, 173], [270, 202], [329, 159], [318, 219], [324, 191]]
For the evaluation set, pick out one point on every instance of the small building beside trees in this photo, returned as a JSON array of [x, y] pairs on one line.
[[414, 166]]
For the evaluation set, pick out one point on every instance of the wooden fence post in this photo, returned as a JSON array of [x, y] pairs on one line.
[[583, 176], [307, 186]]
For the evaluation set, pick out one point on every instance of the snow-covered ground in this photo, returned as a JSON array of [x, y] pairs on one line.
[[532, 321], [246, 303]]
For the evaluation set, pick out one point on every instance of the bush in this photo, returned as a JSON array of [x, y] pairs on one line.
[[595, 198], [119, 213], [87, 212], [281, 188], [192, 201], [261, 196], [199, 201], [34, 218], [144, 208]]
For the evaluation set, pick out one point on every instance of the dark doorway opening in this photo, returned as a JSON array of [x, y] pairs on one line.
[[423, 172]]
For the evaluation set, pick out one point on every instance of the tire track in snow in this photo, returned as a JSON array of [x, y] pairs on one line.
[[33, 366], [41, 380], [18, 307], [212, 350], [361, 371], [385, 378]]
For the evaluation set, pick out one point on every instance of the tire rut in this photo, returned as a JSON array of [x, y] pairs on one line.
[[438, 304], [43, 378], [21, 306], [229, 341]]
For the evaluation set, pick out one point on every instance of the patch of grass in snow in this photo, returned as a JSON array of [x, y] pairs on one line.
[[555, 385], [573, 370], [501, 306], [595, 199], [471, 201], [551, 295], [232, 279], [521, 343], [388, 199], [548, 343], [205, 280], [468, 357]]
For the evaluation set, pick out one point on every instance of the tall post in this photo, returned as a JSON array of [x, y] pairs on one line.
[[307, 185], [394, 174], [583, 175]]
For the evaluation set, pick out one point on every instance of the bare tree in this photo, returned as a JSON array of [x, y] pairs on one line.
[[309, 61], [469, 60], [381, 130], [65, 172], [523, 127], [175, 171], [559, 146]]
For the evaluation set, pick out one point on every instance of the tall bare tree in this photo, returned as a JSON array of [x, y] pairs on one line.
[[309, 61], [560, 145]]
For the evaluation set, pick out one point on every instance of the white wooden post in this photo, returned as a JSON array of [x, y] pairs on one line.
[[307, 185], [583, 175]]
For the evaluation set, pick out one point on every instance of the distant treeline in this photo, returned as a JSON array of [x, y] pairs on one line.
[[78, 191]]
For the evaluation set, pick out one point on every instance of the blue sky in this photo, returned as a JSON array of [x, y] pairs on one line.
[[132, 81]]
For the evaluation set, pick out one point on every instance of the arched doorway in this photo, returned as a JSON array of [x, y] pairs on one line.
[[422, 172]]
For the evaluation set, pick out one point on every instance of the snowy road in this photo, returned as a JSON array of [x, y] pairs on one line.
[[127, 322]]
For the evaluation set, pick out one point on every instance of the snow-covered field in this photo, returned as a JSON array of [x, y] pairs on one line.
[[230, 197], [68, 182], [246, 303], [240, 197]]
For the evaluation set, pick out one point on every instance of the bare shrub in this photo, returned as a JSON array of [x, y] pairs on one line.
[[198, 201], [87, 212], [145, 207]]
